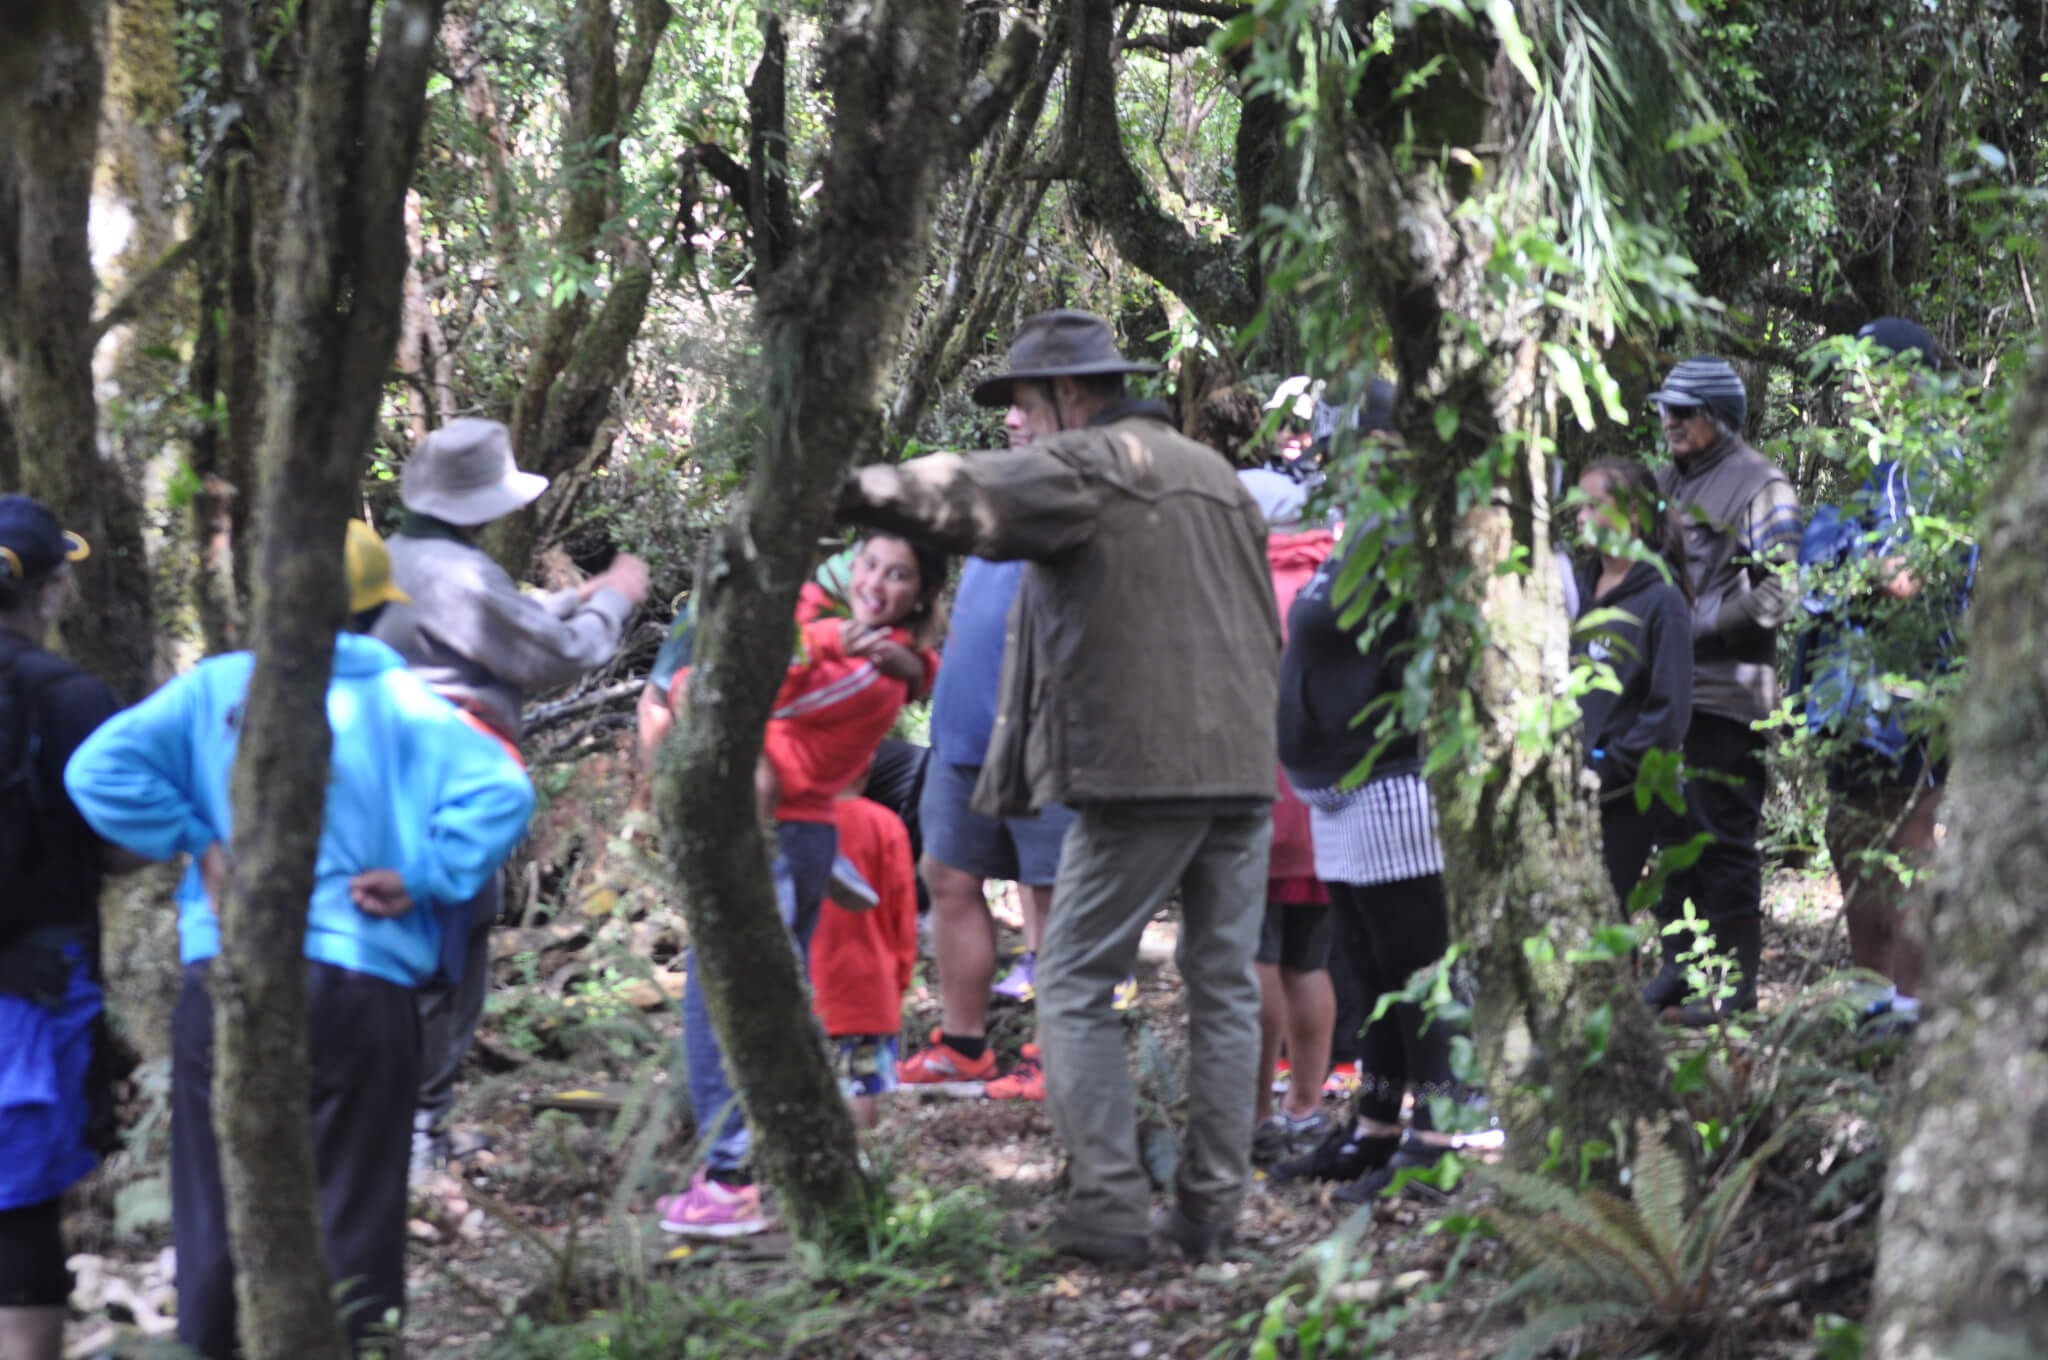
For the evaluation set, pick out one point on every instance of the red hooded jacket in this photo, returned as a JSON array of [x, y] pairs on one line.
[[861, 960]]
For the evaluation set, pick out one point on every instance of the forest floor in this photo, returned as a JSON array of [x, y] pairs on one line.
[[528, 1249]]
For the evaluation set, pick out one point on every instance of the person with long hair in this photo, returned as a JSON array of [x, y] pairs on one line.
[[849, 679], [1635, 620]]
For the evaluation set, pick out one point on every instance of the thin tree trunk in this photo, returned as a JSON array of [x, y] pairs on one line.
[[1521, 845], [52, 118], [339, 273], [830, 319], [1965, 1225], [560, 422]]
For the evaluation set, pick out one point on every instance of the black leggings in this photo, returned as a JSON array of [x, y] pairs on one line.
[[1392, 930], [32, 1270]]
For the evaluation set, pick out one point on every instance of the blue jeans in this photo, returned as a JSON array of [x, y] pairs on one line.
[[803, 867]]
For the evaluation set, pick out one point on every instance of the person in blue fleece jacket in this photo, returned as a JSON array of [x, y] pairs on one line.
[[421, 809]]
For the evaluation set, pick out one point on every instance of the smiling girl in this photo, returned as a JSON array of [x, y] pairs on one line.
[[847, 681]]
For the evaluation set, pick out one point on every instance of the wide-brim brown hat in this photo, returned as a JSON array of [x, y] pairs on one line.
[[1061, 344], [463, 473]]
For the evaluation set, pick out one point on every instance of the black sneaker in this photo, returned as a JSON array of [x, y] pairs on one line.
[[1667, 988], [1343, 1155], [1413, 1154]]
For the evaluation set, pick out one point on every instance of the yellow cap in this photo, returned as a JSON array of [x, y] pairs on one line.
[[369, 571]]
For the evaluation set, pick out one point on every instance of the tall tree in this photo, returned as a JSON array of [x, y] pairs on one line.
[[1221, 280], [831, 313], [339, 272], [561, 422], [1962, 1236], [1473, 189], [49, 129]]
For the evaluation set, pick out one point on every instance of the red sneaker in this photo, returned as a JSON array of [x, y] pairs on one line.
[[1025, 1082], [943, 1070]]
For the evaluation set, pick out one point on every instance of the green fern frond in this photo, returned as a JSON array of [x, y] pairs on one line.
[[1587, 1263], [1535, 1336], [1603, 1228], [1632, 1240], [1657, 1182], [1719, 1210]]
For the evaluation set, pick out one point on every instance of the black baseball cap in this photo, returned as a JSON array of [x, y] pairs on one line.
[[32, 543]]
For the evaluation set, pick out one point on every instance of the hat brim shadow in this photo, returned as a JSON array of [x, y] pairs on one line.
[[996, 390]]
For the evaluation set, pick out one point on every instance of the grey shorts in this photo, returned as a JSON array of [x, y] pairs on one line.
[[1018, 849]]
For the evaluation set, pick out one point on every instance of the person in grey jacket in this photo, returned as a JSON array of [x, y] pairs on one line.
[[1742, 526], [484, 644]]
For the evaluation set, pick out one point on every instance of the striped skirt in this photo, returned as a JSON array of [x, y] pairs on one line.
[[1380, 832]]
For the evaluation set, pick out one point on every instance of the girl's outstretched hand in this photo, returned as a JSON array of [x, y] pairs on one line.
[[890, 657]]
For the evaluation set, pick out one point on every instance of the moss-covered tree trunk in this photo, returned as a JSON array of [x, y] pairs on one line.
[[49, 129], [137, 363], [831, 317], [339, 271], [1561, 1045], [1962, 1267]]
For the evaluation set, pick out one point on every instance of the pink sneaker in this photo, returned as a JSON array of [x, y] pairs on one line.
[[709, 1209]]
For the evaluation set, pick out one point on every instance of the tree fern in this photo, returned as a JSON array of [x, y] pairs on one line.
[[1593, 1256]]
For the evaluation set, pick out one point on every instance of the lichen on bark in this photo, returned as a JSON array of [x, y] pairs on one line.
[[1962, 1264]]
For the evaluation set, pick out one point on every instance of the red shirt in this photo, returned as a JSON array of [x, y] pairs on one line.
[[861, 960], [830, 714], [1293, 559]]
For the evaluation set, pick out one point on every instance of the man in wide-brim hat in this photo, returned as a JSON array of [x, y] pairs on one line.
[[472, 634], [1138, 688], [965, 849]]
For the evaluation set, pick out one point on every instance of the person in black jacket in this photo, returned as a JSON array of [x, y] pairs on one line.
[[1376, 851], [1635, 620]]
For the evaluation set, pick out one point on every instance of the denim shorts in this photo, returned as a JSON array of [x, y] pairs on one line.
[[866, 1063], [1017, 849]]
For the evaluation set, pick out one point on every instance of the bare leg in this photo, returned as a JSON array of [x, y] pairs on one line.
[[964, 938], [31, 1333], [864, 1114], [1311, 1014], [1272, 1024], [1037, 900], [1919, 836]]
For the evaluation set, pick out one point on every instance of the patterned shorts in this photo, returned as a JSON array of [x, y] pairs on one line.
[[867, 1063]]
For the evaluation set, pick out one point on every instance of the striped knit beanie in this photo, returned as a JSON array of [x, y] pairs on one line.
[[1706, 381]]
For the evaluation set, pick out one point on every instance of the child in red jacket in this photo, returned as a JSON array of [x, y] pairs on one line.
[[846, 682], [861, 961]]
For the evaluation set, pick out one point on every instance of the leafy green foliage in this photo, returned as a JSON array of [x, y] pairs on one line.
[[1644, 1263]]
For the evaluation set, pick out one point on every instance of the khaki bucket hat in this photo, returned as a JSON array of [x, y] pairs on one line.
[[463, 473]]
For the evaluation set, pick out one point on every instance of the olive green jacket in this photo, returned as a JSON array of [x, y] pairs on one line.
[[1143, 647]]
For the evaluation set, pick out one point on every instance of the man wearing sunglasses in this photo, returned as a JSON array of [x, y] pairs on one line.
[[1742, 526]]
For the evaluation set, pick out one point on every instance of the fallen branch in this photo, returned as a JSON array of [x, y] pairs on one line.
[[548, 715]]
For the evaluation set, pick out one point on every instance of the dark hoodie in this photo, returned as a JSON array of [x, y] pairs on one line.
[[1648, 643], [1327, 679]]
